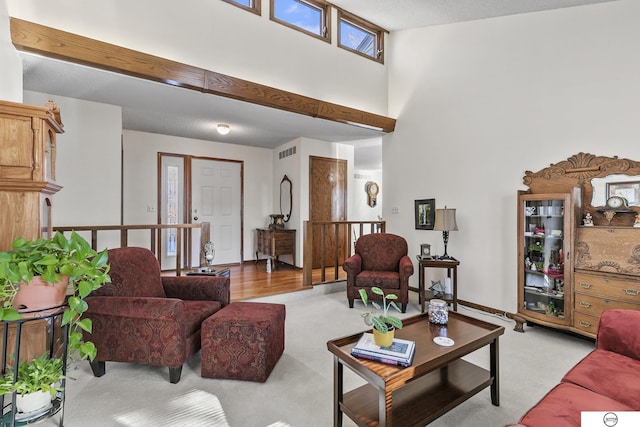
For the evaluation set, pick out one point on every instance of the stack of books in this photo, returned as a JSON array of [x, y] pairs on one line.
[[399, 353]]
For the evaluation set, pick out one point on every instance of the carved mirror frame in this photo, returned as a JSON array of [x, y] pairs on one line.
[[577, 172], [286, 196]]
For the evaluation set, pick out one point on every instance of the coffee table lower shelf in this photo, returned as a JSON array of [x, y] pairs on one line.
[[423, 399]]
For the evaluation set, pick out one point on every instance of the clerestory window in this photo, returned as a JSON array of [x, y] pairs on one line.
[[309, 16], [250, 5], [361, 37]]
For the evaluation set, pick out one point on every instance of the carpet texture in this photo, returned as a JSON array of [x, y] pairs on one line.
[[196, 408], [299, 391]]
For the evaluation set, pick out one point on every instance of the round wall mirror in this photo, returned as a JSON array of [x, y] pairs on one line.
[[286, 198]]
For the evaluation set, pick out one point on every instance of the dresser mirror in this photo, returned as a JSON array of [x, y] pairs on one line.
[[594, 176], [286, 198], [627, 186]]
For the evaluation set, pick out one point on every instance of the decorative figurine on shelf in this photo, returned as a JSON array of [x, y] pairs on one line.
[[527, 263], [437, 288], [588, 220], [637, 221], [209, 254]]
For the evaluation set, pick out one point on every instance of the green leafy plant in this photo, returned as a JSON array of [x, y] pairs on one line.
[[381, 322], [41, 374], [51, 259]]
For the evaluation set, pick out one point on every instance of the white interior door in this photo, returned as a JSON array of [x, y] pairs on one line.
[[171, 207], [216, 198]]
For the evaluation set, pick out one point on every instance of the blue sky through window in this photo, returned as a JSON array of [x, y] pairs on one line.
[[357, 39], [246, 3], [300, 14]]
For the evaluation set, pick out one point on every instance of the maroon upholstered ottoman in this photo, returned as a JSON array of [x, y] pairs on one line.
[[243, 341]]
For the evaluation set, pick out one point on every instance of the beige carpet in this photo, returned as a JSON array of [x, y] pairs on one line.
[[299, 391], [196, 408]]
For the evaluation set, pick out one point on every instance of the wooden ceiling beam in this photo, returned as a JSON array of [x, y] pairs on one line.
[[53, 43]]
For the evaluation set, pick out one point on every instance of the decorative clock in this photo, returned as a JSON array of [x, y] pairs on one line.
[[425, 251], [372, 193], [617, 202]]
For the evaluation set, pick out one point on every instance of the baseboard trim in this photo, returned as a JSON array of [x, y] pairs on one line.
[[486, 309]]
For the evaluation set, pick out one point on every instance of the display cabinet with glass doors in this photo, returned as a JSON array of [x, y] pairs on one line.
[[545, 233]]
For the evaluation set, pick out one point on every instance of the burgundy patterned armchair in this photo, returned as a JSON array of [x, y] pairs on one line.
[[143, 317], [380, 260]]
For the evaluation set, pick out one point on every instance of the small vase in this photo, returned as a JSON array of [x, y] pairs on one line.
[[383, 340], [39, 294]]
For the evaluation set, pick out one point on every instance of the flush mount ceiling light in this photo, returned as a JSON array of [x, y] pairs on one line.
[[223, 129]]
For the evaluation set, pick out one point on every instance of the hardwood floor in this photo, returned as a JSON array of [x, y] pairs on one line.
[[251, 280]]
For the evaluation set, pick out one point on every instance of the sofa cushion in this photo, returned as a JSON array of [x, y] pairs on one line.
[[561, 407], [381, 279], [610, 374], [135, 272], [618, 332], [381, 251]]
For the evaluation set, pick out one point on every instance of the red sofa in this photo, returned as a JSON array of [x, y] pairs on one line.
[[607, 379]]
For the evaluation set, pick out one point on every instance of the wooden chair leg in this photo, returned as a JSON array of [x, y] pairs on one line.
[[403, 307], [98, 368], [350, 303], [174, 375]]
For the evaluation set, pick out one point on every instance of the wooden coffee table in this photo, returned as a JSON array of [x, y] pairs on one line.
[[437, 381]]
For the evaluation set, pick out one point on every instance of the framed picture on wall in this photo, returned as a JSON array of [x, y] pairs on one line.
[[629, 190], [425, 214]]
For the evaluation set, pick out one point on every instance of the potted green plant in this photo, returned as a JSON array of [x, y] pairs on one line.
[[35, 383], [54, 260], [383, 324]]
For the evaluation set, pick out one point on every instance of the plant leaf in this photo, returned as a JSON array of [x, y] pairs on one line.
[[394, 321]]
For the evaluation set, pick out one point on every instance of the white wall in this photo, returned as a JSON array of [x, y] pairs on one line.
[[87, 162], [358, 197], [479, 103], [11, 69], [290, 166], [224, 38], [140, 183]]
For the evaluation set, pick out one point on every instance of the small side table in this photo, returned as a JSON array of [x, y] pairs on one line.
[[202, 271], [452, 273]]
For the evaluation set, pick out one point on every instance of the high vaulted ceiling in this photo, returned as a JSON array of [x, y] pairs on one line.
[[395, 15], [159, 108]]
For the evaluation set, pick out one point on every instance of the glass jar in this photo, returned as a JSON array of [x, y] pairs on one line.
[[438, 312]]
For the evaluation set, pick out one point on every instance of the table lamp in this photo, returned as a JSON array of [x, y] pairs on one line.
[[445, 222]]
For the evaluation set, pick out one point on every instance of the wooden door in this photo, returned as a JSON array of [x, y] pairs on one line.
[[328, 202]]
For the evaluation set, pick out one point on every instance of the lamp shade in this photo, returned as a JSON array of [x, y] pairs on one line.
[[445, 220]]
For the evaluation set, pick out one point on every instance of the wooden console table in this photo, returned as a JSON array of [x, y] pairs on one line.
[[274, 243], [452, 273]]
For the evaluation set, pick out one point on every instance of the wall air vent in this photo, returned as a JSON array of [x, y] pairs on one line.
[[288, 152], [361, 176]]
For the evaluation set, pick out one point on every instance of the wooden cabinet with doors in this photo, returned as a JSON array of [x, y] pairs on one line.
[[27, 169], [604, 253], [546, 230]]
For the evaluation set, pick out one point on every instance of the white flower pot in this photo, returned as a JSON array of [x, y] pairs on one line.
[[33, 401]]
